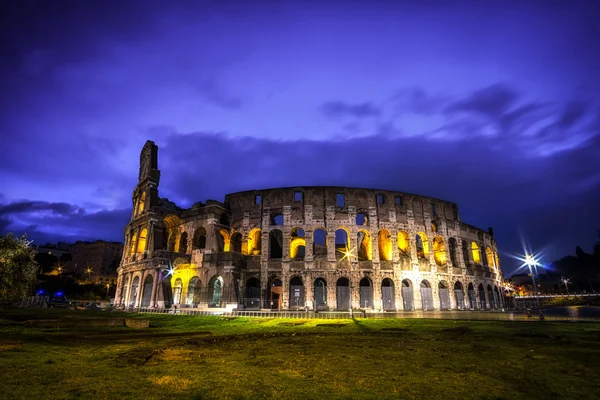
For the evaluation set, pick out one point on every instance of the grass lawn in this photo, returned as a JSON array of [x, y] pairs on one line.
[[187, 357]]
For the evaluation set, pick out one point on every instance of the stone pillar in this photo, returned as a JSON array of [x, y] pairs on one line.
[[285, 244], [375, 245], [435, 293], [417, 301], [155, 283], [308, 249], [308, 291], [331, 256], [129, 286], [377, 296]]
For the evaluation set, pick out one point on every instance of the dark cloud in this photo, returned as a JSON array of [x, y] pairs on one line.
[[336, 109], [512, 192], [46, 221]]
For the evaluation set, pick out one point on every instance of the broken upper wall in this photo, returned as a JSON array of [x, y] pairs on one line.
[[384, 205]]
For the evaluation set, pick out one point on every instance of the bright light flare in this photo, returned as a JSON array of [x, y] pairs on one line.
[[347, 253]]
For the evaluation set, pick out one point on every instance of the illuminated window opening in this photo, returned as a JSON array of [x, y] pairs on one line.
[[475, 253], [403, 242]]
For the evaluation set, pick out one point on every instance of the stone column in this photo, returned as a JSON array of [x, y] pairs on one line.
[[155, 282], [331, 256], [308, 291], [308, 249], [377, 296]]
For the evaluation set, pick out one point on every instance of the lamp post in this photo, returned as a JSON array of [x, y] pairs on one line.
[[531, 262], [566, 282]]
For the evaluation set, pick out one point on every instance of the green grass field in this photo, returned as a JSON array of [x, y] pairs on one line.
[[62, 355]]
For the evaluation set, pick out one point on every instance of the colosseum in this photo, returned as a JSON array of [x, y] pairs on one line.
[[304, 248]]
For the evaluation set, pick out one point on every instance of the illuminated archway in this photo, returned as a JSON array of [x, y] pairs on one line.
[[224, 240], [384, 238], [141, 244], [297, 243], [490, 256], [254, 242], [141, 203], [439, 251], [475, 253], [177, 288], [403, 242], [364, 245], [133, 244], [422, 245]]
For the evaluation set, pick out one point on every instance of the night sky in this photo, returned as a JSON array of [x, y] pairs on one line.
[[494, 105]]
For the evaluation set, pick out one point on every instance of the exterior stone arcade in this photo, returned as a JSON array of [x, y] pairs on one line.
[[317, 248]]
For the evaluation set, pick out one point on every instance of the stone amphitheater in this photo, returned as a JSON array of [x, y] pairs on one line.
[[304, 248]]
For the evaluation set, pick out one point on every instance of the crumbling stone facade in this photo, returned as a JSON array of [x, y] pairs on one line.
[[321, 248]]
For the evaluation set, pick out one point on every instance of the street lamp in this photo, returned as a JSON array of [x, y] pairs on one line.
[[566, 282], [532, 262]]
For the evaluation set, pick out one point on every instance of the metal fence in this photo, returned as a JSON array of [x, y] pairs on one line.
[[451, 315]]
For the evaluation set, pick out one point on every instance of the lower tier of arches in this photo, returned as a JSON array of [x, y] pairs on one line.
[[337, 290]]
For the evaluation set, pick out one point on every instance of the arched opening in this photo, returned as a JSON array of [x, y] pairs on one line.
[[403, 242], [366, 293], [224, 219], [183, 243], [193, 293], [199, 240], [341, 243], [453, 248], [490, 256], [434, 227], [177, 288], [275, 294], [426, 296], [491, 299], [497, 298], [362, 219], [224, 240], [320, 293], [363, 245], [134, 291], [320, 243], [482, 303], [297, 243], [125, 291], [133, 244], [141, 203], [465, 252], [147, 292], [388, 294], [407, 295], [439, 251], [296, 293], [236, 242], [475, 253], [275, 244], [459, 295], [422, 245], [141, 243], [342, 294], [252, 298], [471, 296], [172, 239], [384, 238], [276, 219], [254, 242], [444, 293], [215, 291]]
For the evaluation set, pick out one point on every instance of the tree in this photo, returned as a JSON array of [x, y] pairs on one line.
[[17, 267]]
